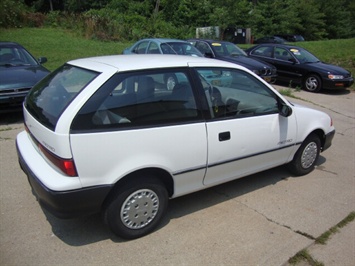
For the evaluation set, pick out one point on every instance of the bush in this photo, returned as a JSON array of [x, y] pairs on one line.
[[12, 13]]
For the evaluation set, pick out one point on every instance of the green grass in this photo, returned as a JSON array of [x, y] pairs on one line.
[[60, 46], [305, 256]]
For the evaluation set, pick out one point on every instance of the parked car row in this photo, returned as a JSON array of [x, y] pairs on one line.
[[221, 50], [19, 70]]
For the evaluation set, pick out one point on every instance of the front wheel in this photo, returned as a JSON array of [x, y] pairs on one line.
[[306, 156], [137, 208], [312, 83]]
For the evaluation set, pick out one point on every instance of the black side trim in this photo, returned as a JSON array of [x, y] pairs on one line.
[[189, 170], [248, 156], [234, 159]]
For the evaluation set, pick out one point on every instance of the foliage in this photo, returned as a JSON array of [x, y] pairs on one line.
[[11, 13], [135, 19]]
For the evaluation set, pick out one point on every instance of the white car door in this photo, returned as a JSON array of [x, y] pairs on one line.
[[246, 134]]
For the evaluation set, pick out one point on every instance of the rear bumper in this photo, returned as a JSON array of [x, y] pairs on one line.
[[65, 204]]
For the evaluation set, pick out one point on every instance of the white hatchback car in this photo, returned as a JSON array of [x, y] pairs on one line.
[[104, 134]]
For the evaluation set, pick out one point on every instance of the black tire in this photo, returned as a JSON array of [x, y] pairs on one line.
[[312, 83], [170, 81], [150, 199], [306, 157]]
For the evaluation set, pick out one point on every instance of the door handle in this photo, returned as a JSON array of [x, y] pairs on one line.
[[223, 136]]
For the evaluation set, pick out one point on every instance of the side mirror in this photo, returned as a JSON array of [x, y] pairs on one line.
[[292, 60], [285, 110], [42, 60]]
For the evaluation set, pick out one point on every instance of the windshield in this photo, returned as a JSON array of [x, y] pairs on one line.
[[16, 56], [227, 49], [303, 55], [180, 48], [49, 98]]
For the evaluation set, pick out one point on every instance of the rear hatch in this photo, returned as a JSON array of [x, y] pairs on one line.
[[44, 106]]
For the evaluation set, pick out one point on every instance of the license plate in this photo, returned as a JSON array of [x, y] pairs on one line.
[[267, 79], [216, 82]]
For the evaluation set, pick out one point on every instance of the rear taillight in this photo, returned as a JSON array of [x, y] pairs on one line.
[[67, 166]]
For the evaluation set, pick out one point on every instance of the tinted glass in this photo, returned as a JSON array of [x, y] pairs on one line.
[[223, 49], [182, 48], [263, 51], [49, 98], [16, 56], [139, 99], [303, 55]]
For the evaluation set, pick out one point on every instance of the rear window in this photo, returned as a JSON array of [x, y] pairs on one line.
[[49, 98]]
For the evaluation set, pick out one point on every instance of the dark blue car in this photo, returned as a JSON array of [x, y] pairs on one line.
[[296, 65], [229, 52], [19, 72]]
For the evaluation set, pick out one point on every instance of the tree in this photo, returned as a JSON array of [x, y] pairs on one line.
[[273, 17], [337, 18]]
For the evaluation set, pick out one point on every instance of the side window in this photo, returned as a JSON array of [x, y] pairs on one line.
[[153, 48], [141, 48], [282, 54], [263, 51], [238, 94], [139, 99], [203, 47], [167, 49]]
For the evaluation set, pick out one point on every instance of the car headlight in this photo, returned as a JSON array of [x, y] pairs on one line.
[[331, 76]]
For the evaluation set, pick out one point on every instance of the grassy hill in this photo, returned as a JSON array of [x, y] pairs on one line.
[[60, 46]]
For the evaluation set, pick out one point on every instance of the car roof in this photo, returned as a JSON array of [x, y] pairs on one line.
[[145, 61], [279, 44], [209, 41], [9, 44], [163, 40]]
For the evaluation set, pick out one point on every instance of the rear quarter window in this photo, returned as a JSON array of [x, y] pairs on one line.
[[49, 98]]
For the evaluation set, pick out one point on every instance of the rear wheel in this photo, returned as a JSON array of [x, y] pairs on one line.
[[306, 156], [137, 208], [170, 81], [312, 83]]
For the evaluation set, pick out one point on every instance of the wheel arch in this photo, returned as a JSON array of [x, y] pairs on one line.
[[158, 174], [320, 133], [307, 74]]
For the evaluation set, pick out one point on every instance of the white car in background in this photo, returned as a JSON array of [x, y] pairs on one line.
[[105, 134]]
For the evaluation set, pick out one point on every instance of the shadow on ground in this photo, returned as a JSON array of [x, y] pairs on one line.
[[87, 230]]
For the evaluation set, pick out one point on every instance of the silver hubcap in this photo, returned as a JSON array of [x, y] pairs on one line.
[[311, 83], [309, 155], [139, 209]]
